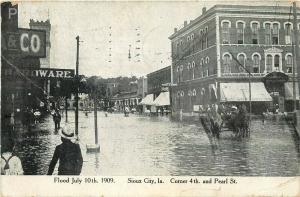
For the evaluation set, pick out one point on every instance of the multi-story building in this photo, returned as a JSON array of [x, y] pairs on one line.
[[210, 56], [45, 62]]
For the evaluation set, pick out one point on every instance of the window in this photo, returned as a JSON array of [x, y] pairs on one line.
[[188, 38], [182, 93], [192, 37], [254, 28], [227, 63], [194, 92], [201, 62], [288, 33], [256, 63], [189, 66], [268, 33], [177, 69], [207, 60], [225, 32], [240, 32], [289, 64], [275, 34], [276, 62], [269, 63], [242, 59]]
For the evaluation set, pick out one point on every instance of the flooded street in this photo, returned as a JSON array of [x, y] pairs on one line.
[[140, 145]]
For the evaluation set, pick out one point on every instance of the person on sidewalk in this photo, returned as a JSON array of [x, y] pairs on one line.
[[68, 153], [56, 119], [10, 162]]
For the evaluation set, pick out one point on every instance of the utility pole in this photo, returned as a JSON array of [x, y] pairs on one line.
[[296, 64], [66, 108], [77, 87]]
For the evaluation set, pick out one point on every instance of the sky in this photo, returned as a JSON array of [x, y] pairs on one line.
[[109, 29]]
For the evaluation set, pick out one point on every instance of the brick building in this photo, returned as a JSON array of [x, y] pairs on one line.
[[206, 50]]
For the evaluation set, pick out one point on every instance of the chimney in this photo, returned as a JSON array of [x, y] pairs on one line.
[[185, 23], [203, 10], [175, 30]]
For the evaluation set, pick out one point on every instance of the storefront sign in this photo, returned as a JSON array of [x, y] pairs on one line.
[[41, 73], [26, 42]]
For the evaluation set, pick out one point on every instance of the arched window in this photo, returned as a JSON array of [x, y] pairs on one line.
[[275, 33], [289, 63], [256, 63], [192, 37], [189, 66], [194, 92], [288, 33], [193, 64], [182, 93], [254, 28], [276, 62], [177, 69], [269, 63], [227, 63], [240, 25], [225, 32], [242, 59], [207, 60], [268, 33]]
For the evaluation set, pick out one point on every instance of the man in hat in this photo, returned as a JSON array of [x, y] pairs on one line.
[[68, 153]]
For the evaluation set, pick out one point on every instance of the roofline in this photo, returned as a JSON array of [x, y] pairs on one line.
[[165, 68], [234, 8]]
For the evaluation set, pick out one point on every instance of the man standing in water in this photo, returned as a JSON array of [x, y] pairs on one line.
[[69, 155]]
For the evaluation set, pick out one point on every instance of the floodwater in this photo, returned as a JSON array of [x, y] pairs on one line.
[[142, 145]]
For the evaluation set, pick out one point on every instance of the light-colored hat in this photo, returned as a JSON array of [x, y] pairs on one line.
[[67, 133], [234, 107]]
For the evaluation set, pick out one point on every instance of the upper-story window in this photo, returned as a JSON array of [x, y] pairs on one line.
[[289, 63], [192, 37], [256, 63], [268, 33], [188, 38], [276, 62], [269, 62], [207, 60], [227, 63], [288, 33], [275, 33], [226, 32], [254, 29], [240, 25], [242, 60]]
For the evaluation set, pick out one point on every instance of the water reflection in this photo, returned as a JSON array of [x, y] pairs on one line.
[[138, 145]]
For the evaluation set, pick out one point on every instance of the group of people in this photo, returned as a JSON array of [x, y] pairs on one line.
[[68, 153]]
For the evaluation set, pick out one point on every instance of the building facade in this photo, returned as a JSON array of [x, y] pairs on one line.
[[221, 47]]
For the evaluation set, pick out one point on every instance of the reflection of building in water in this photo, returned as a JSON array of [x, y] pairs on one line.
[[203, 51]]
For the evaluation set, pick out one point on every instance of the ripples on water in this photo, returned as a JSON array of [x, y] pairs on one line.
[[138, 145]]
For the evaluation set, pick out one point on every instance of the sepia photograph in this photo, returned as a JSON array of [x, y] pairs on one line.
[[150, 88]]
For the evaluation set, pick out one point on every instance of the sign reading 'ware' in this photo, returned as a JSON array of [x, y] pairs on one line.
[[26, 42], [41, 73]]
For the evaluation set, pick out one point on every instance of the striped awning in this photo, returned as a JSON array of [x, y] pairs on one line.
[[240, 92]]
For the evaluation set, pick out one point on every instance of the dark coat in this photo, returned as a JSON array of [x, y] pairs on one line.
[[70, 159]]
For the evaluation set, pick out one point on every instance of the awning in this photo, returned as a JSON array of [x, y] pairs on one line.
[[240, 92], [148, 100], [163, 99], [288, 88]]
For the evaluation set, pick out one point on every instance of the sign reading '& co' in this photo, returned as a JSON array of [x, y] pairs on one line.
[[26, 42]]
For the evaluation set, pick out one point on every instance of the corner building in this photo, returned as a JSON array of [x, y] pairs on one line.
[[204, 70]]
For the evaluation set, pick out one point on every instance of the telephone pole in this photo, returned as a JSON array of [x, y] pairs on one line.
[[296, 62], [77, 87]]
